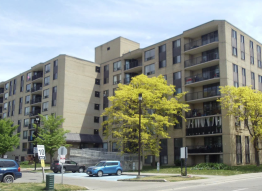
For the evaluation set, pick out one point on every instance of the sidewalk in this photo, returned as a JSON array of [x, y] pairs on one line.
[[32, 169], [163, 174]]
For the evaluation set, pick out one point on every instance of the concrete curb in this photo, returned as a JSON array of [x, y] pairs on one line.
[[133, 180]]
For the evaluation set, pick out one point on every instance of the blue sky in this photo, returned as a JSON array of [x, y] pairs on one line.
[[34, 31]]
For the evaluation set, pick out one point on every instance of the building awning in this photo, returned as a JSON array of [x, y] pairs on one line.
[[82, 138]]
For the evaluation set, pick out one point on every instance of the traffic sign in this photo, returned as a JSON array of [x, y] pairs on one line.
[[42, 163], [62, 151], [62, 159], [41, 151], [183, 152]]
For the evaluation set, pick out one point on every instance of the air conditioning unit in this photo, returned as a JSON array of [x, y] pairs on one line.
[[27, 102], [46, 96], [45, 109], [46, 84]]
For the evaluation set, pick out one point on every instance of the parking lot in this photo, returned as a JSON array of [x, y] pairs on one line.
[[104, 177]]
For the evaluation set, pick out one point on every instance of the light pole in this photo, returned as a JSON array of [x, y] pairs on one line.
[[139, 135], [37, 121]]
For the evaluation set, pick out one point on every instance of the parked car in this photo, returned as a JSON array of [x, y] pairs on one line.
[[67, 166], [9, 170], [105, 167]]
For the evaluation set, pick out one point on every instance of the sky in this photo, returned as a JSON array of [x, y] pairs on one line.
[[34, 31]]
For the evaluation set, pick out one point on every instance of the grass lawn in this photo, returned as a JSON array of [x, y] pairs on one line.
[[168, 178], [46, 171], [233, 171], [37, 187]]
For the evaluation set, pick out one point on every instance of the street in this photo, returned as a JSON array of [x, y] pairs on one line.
[[247, 182]]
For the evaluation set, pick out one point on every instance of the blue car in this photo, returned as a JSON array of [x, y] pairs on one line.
[[9, 170], [105, 167]]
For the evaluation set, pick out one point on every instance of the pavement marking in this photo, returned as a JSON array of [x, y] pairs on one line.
[[240, 189]]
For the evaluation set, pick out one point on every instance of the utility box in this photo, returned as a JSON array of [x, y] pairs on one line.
[[50, 179]]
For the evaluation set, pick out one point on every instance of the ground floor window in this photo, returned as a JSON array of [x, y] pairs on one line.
[[163, 152], [238, 150], [149, 159], [105, 146], [247, 150], [178, 143]]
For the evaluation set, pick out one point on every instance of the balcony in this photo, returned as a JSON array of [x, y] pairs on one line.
[[201, 45], [34, 113], [37, 88], [1, 100], [127, 80], [197, 63], [37, 76], [216, 148], [18, 130], [133, 65], [36, 100], [1, 110], [31, 138], [202, 79], [116, 82], [203, 131], [29, 151], [2, 90], [203, 113], [202, 96]]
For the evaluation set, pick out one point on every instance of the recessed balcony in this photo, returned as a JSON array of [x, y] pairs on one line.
[[34, 113], [133, 65], [200, 45], [1, 100], [1, 91], [200, 62], [202, 96], [37, 77], [36, 100], [36, 89], [204, 149], [1, 110], [198, 113], [202, 79]]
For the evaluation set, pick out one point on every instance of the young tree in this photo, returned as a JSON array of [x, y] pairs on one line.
[[8, 140], [51, 134], [245, 104], [160, 110]]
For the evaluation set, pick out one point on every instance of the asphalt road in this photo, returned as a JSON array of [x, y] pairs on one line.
[[246, 182]]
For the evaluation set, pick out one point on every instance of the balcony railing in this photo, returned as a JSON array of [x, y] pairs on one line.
[[216, 148], [201, 113], [203, 131], [1, 100], [201, 59], [1, 90], [34, 89], [198, 43], [200, 95], [30, 151], [36, 112], [201, 77], [36, 100], [31, 138], [127, 80], [1, 110], [117, 82], [38, 75], [132, 64]]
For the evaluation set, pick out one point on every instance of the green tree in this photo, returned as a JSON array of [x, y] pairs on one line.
[[160, 110], [245, 104], [50, 134], [8, 140]]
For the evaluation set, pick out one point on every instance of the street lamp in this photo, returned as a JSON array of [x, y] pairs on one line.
[[37, 121], [139, 135]]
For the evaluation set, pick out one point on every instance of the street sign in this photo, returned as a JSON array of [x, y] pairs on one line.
[[183, 152], [61, 158], [41, 151], [35, 150], [5, 156], [62, 151], [158, 166], [42, 163]]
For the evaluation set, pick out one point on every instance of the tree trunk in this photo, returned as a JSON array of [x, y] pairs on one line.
[[256, 152], [51, 156]]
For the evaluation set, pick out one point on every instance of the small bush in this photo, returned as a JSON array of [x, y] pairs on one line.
[[211, 166], [178, 162], [24, 163]]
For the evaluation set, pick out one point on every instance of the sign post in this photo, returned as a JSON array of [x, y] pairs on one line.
[[36, 122], [62, 152], [184, 155], [41, 156], [158, 166]]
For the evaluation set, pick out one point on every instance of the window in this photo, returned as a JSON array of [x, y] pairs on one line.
[[104, 127], [242, 55], [6, 86], [108, 48], [106, 74], [54, 96], [97, 94], [46, 93], [97, 82], [97, 69], [13, 108], [26, 122], [247, 152], [114, 147], [260, 82], [238, 150], [55, 70], [251, 53], [242, 46], [149, 55], [163, 152], [234, 51], [24, 148], [96, 119], [179, 123], [165, 77], [243, 77], [178, 143], [28, 87], [96, 132], [235, 75], [24, 134], [177, 51], [242, 39], [177, 82], [47, 68], [6, 96], [29, 76], [149, 159], [10, 89], [253, 80], [105, 146], [105, 98], [150, 69], [27, 99], [234, 42], [117, 66], [14, 88], [27, 110], [117, 79], [5, 106], [9, 109], [22, 84], [234, 34], [96, 106], [162, 56], [47, 80], [45, 106], [4, 115], [259, 56]]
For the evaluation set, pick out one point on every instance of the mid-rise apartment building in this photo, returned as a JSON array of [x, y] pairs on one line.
[[197, 61]]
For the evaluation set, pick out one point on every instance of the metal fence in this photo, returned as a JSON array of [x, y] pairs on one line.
[[91, 156]]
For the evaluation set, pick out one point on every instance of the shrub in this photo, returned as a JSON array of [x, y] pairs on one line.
[[211, 166], [178, 162]]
